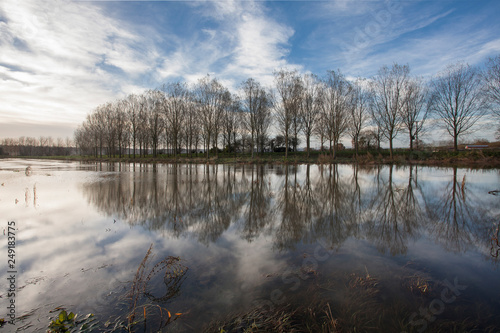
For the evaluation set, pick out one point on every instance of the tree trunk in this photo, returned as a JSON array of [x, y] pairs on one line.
[[390, 147], [356, 144], [286, 145], [253, 143], [455, 141], [307, 143]]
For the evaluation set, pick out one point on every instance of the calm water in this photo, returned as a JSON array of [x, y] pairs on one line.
[[410, 248]]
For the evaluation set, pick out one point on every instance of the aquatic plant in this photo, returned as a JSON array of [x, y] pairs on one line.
[[140, 306], [286, 318], [67, 322], [417, 284], [144, 306]]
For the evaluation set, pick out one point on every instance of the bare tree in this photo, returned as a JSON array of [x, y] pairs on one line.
[[155, 100], [231, 122], [492, 78], [310, 109], [109, 116], [320, 130], [288, 87], [336, 107], [209, 95], [388, 97], [359, 111], [192, 127], [175, 109], [369, 139], [122, 126], [223, 101], [415, 108], [250, 96], [82, 143], [256, 112], [143, 125], [263, 119], [96, 127], [132, 110], [458, 98]]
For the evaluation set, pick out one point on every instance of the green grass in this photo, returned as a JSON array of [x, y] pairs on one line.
[[481, 158]]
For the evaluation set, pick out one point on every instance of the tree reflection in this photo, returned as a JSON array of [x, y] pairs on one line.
[[293, 204], [291, 226], [257, 214], [395, 214], [309, 203], [335, 220], [197, 198], [458, 220]]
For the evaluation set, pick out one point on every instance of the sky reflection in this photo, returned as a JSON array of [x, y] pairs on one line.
[[84, 229]]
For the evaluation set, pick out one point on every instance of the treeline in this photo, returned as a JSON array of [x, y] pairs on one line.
[[42, 146], [206, 117]]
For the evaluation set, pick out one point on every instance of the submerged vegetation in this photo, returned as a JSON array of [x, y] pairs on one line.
[[67, 322], [356, 302], [146, 312], [361, 302], [142, 300]]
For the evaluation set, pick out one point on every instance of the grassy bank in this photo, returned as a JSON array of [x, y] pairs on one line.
[[473, 158]]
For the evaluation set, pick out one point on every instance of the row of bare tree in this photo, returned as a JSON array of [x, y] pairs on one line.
[[31, 146], [178, 116]]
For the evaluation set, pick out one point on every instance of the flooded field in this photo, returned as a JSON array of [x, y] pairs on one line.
[[191, 248]]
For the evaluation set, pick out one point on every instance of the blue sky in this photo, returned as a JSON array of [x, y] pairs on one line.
[[60, 59]]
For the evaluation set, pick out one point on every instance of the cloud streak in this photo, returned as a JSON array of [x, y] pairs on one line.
[[60, 59]]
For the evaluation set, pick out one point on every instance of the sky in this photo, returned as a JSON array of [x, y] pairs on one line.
[[61, 59]]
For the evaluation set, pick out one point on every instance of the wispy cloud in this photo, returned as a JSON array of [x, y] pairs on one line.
[[362, 36], [236, 40], [60, 59]]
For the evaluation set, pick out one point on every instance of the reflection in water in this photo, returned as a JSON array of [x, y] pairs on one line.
[[458, 217], [256, 202], [294, 204], [142, 298], [276, 234], [27, 196], [395, 213], [335, 220], [174, 200], [495, 243]]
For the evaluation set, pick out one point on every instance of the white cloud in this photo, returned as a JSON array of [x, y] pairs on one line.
[[246, 43], [262, 46], [60, 59]]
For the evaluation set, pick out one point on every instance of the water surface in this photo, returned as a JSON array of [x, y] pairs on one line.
[[408, 247]]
